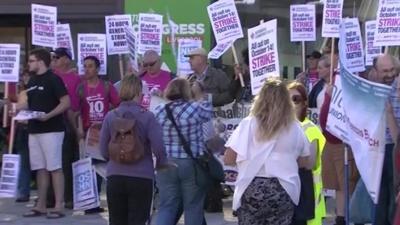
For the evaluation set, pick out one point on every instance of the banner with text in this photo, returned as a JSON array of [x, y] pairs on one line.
[[92, 45], [115, 31], [184, 47], [64, 38], [85, 194], [336, 121], [9, 62], [44, 20], [371, 51], [219, 49], [131, 39], [387, 32], [302, 23], [150, 32], [364, 106], [9, 175], [331, 18], [352, 54], [263, 54]]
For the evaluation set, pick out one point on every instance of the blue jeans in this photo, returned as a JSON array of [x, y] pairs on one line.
[[21, 147], [183, 185], [386, 204]]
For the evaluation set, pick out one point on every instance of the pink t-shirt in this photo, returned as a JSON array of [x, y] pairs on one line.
[[158, 82], [71, 81], [95, 103]]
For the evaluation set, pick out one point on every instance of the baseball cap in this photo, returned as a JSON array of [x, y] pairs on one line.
[[197, 51], [60, 52], [314, 55]]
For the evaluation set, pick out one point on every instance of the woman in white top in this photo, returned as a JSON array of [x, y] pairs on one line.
[[268, 147]]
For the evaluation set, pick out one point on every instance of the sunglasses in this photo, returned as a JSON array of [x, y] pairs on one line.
[[56, 57], [297, 99], [149, 64]]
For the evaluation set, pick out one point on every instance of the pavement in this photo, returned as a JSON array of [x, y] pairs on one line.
[[11, 213]]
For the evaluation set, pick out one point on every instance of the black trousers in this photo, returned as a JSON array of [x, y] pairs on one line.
[[129, 200]]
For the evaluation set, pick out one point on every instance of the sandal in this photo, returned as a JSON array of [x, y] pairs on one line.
[[33, 213], [55, 215]]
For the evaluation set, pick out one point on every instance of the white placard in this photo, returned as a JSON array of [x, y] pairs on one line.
[[28, 115], [9, 62], [263, 54], [131, 39], [225, 21], [351, 45], [83, 185], [332, 16], [387, 31], [302, 23], [9, 175], [44, 20], [184, 47], [92, 45], [150, 32], [336, 121], [219, 50], [371, 51], [64, 38], [115, 31]]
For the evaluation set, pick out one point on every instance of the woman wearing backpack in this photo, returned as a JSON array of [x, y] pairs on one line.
[[130, 170], [182, 122]]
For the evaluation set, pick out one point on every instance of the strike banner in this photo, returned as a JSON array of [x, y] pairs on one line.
[[44, 20], [92, 142], [332, 16], [184, 47], [263, 54], [225, 21], [371, 51], [85, 192], [64, 38], [131, 39], [150, 32], [9, 175], [387, 32], [351, 45], [302, 23], [9, 62], [92, 45], [115, 31], [219, 49], [364, 107]]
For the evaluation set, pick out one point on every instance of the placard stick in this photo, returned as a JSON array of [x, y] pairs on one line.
[[12, 134], [82, 145], [386, 50], [121, 66], [332, 54], [5, 108], [237, 63], [303, 53]]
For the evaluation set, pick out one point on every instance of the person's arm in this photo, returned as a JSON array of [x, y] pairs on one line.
[[303, 159], [105, 136], [230, 157], [60, 108], [155, 136], [22, 102], [114, 97]]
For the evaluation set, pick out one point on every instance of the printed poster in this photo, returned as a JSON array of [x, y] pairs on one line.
[[64, 38], [387, 32], [352, 45], [184, 47], [302, 23], [44, 21], [150, 32], [9, 62], [92, 45], [115, 31], [331, 18]]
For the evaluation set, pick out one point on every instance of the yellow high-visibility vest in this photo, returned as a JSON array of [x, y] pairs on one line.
[[313, 133]]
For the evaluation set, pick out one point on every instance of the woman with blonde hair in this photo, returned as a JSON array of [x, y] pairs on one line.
[[268, 148], [185, 185]]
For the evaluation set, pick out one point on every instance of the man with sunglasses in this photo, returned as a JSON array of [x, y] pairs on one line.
[[155, 78]]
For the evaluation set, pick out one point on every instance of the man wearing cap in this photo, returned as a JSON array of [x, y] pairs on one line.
[[310, 77], [62, 66], [215, 81]]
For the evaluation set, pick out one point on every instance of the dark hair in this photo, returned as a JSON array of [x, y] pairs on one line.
[[303, 93], [245, 55], [42, 54], [94, 59]]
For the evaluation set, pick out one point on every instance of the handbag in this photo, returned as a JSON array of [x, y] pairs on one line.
[[207, 162]]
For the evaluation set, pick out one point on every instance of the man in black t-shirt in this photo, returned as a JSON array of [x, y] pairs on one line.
[[46, 93]]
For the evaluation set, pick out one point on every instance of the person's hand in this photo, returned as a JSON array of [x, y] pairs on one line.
[[198, 93], [166, 166], [329, 89], [301, 77], [238, 70], [44, 117]]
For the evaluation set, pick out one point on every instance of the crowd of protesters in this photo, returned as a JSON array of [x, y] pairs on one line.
[[284, 160]]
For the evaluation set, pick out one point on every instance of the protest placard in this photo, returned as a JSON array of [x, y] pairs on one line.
[[332, 16], [371, 51], [9, 175], [92, 142], [184, 47], [64, 38], [364, 107], [44, 20], [150, 32], [352, 52], [92, 45], [9, 62], [84, 185], [28, 115], [263, 54], [131, 39], [387, 32], [116, 36], [313, 115], [225, 21], [302, 23], [219, 50]]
